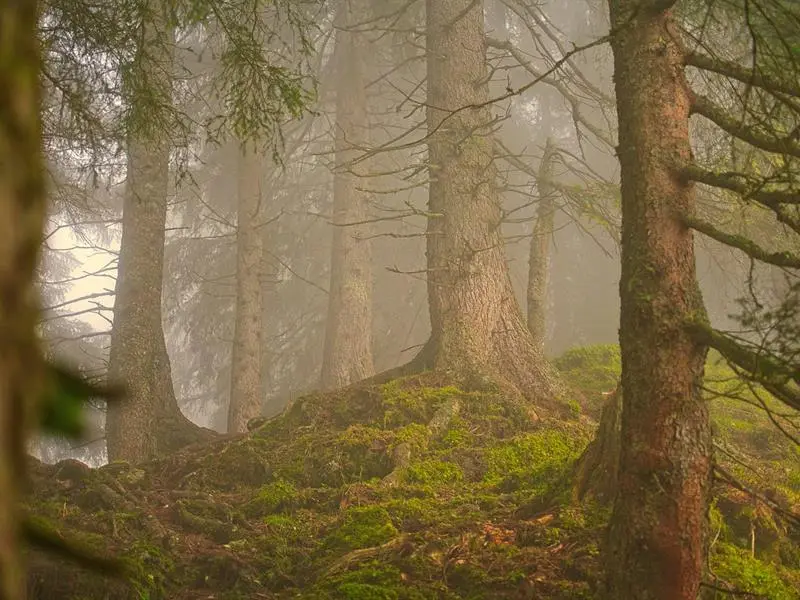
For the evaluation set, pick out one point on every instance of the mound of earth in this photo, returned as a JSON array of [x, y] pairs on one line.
[[414, 489]]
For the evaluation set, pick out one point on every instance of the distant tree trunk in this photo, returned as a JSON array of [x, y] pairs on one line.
[[347, 356], [657, 538], [477, 326], [22, 211], [148, 422], [539, 261], [246, 364]]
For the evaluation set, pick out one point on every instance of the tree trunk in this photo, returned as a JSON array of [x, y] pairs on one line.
[[597, 471], [477, 326], [148, 422], [347, 356], [539, 261], [22, 211], [246, 388], [657, 542]]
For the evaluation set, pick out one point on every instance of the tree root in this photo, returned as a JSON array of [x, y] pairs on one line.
[[402, 453]]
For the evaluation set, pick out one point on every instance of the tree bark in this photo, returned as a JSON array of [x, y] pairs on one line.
[[597, 470], [539, 260], [657, 536], [246, 364], [22, 212], [347, 355], [477, 326], [148, 421]]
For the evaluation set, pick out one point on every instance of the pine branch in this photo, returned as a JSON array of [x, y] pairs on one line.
[[746, 245], [766, 370], [735, 127], [743, 74], [775, 200]]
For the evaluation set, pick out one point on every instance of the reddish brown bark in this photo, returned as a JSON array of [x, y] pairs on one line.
[[477, 326], [657, 542]]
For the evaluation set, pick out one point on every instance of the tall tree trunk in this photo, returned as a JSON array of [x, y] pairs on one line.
[[657, 539], [148, 422], [539, 260], [246, 364], [347, 356], [22, 211], [477, 326]]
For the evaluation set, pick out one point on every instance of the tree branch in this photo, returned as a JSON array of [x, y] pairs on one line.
[[705, 107], [766, 370], [743, 74], [746, 245]]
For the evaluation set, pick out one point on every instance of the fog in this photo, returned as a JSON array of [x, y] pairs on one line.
[[571, 104]]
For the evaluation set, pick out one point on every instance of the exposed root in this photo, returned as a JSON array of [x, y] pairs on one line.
[[402, 454], [596, 470]]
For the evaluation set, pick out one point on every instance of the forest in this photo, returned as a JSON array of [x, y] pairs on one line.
[[399, 299]]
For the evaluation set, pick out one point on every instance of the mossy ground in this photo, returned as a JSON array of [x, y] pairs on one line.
[[313, 505]]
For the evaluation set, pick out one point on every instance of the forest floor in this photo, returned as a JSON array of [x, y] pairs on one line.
[[414, 489]]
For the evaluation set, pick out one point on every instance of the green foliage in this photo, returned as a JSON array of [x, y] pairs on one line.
[[405, 403], [533, 461], [277, 496], [66, 394], [362, 527], [747, 574], [434, 473], [594, 370]]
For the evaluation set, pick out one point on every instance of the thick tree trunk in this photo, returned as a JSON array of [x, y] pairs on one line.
[[477, 326], [347, 356], [539, 260], [148, 421], [657, 542], [246, 388], [22, 211]]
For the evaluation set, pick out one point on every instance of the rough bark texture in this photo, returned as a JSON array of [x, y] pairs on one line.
[[148, 421], [246, 385], [597, 471], [657, 542], [539, 260], [347, 356], [22, 209], [477, 326]]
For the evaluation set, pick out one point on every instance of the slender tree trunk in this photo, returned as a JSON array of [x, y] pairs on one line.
[[657, 543], [539, 261], [347, 356], [477, 326], [22, 211], [246, 388], [148, 422]]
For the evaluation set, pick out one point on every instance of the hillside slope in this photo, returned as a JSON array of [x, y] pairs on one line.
[[414, 489]]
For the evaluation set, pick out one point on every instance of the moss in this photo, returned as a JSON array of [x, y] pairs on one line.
[[434, 473], [151, 568], [200, 518], [406, 402], [280, 495], [457, 436], [593, 370], [533, 461], [416, 435], [738, 568], [362, 527]]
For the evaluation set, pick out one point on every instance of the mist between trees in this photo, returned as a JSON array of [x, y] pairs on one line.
[[252, 201]]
